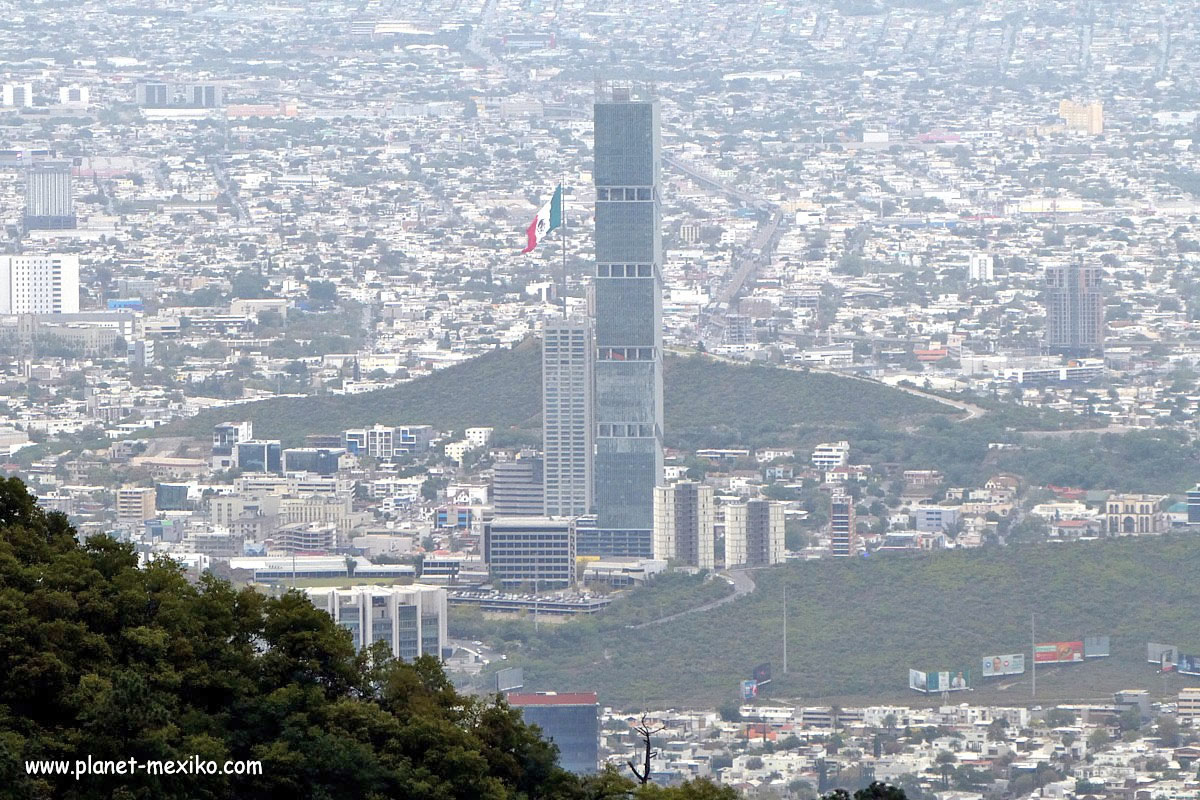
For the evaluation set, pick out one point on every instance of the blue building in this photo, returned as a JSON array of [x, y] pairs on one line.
[[570, 720]]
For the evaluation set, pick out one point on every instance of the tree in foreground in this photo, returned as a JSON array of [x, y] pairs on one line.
[[106, 659]]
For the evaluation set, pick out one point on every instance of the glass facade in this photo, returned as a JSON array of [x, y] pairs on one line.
[[574, 728], [628, 317]]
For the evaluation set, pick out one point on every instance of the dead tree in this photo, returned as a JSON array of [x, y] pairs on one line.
[[645, 731]]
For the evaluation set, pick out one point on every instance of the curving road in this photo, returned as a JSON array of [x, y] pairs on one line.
[[743, 585]]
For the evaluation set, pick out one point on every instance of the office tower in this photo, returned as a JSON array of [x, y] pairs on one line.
[[1193, 505], [685, 524], [39, 284], [627, 302], [753, 534], [49, 196], [517, 486], [570, 720], [537, 551], [16, 95], [568, 435], [842, 533], [259, 455], [1074, 310], [411, 619], [135, 504]]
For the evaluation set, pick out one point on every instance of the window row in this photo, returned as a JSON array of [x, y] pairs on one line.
[[626, 431], [622, 193], [624, 270], [625, 354]]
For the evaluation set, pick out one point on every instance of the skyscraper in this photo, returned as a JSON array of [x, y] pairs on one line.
[[627, 302], [684, 524], [754, 533], [1074, 310], [568, 433], [49, 197]]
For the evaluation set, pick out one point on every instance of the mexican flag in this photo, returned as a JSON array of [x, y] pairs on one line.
[[548, 218]]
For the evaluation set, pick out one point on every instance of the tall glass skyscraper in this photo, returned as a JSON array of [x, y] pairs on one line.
[[627, 298]]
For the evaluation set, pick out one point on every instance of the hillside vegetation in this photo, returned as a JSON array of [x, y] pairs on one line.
[[856, 627], [706, 400]]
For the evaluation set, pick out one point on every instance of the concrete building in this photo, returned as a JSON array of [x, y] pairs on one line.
[[180, 95], [385, 443], [568, 432], [1082, 117], [411, 619], [842, 532], [1188, 708], [517, 486], [1074, 310], [831, 455], [1132, 514], [754, 533], [538, 551], [685, 524], [570, 720], [135, 505], [16, 95], [627, 298], [931, 519], [39, 284], [981, 268], [49, 196]]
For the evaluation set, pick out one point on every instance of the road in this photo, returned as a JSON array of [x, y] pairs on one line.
[[743, 585]]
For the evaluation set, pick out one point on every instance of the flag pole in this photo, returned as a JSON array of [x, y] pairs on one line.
[[563, 241]]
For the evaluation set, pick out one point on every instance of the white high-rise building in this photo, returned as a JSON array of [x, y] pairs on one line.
[[39, 284], [567, 431], [411, 619], [16, 95], [685, 524], [73, 96], [981, 268], [754, 533]]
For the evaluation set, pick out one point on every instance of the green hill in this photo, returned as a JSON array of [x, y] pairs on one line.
[[856, 627], [705, 399]]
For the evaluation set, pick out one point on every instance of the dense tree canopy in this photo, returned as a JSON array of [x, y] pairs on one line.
[[110, 659]]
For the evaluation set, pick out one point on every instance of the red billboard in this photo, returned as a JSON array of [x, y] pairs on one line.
[[1058, 652]]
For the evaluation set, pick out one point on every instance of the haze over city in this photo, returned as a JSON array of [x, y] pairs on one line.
[[464, 399]]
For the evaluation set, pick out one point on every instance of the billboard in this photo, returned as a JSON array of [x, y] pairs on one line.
[[749, 690], [1188, 665], [931, 682], [1003, 665], [1161, 654], [510, 679], [762, 674], [1058, 652], [1096, 647]]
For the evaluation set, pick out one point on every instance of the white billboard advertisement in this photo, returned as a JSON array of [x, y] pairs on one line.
[[994, 666]]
